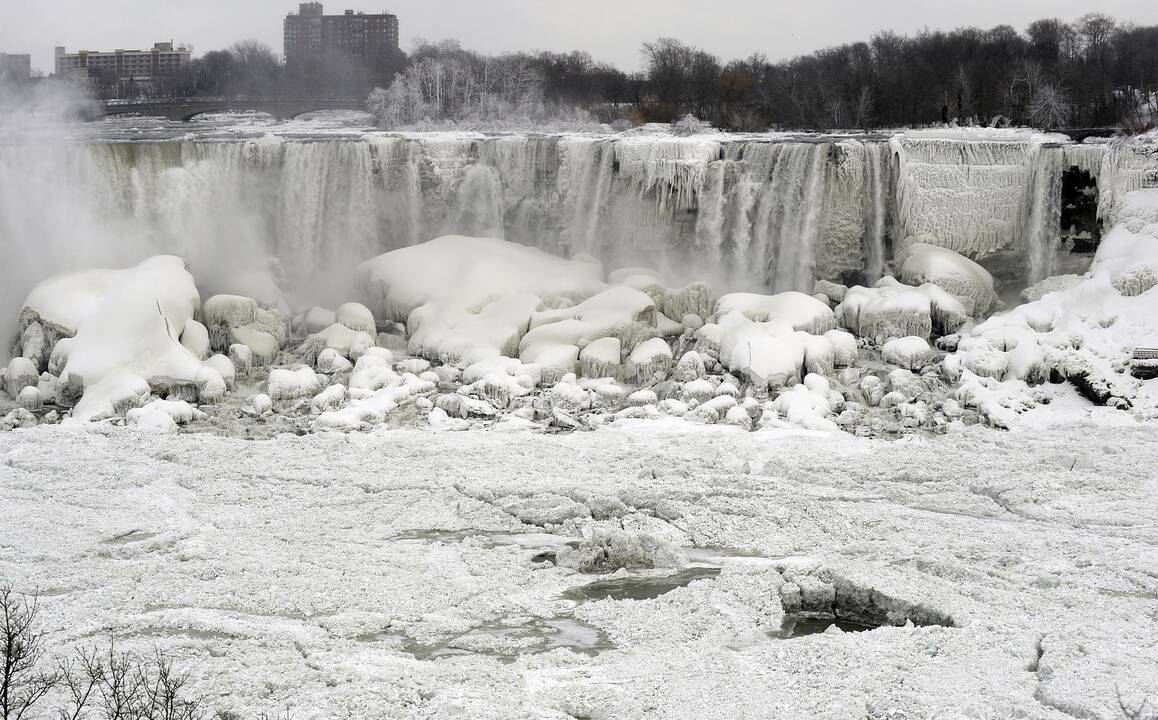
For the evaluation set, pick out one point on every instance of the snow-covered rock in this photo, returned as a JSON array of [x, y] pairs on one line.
[[126, 322], [802, 312], [291, 384], [602, 358], [911, 353], [464, 299], [649, 359], [958, 275]]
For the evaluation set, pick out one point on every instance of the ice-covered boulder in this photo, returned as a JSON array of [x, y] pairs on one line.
[[221, 313], [807, 406], [242, 358], [179, 412], [619, 311], [844, 346], [696, 299], [233, 319], [262, 347], [331, 362], [802, 312], [34, 345], [21, 373], [883, 313], [211, 386], [922, 263], [291, 384], [151, 420], [911, 353], [467, 298], [602, 358], [126, 322], [30, 398], [357, 317], [768, 354], [649, 359], [691, 366]]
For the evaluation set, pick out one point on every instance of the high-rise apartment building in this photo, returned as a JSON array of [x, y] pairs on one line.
[[368, 40], [142, 68]]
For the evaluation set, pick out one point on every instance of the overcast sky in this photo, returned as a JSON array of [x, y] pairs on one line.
[[610, 30]]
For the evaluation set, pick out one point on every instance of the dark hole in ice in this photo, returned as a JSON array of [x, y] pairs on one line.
[[800, 625], [638, 587]]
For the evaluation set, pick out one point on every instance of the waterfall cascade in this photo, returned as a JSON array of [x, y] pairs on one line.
[[761, 213]]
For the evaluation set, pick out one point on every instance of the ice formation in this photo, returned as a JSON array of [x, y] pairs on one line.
[[799, 315]]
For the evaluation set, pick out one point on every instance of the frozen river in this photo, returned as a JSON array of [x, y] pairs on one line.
[[413, 573]]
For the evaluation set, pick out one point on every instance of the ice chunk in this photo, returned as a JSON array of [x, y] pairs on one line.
[[649, 359], [911, 353], [601, 359], [608, 551]]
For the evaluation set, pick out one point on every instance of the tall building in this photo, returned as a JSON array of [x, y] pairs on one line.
[[140, 69], [15, 68], [367, 40]]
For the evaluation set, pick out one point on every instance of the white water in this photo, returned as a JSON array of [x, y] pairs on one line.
[[283, 218]]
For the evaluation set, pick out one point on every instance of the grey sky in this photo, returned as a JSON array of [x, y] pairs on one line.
[[611, 30]]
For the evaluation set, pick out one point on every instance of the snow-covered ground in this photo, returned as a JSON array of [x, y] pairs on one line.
[[410, 573]]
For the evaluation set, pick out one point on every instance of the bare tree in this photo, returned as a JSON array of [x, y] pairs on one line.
[[108, 685], [22, 684], [1137, 711], [1049, 107]]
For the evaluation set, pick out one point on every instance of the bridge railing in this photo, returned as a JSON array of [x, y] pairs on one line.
[[235, 99]]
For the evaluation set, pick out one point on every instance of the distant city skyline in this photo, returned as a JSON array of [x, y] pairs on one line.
[[610, 31]]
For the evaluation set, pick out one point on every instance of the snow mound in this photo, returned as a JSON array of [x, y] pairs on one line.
[[467, 274], [802, 312], [958, 275], [126, 323]]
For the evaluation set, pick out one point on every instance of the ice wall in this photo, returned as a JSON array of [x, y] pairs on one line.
[[269, 216]]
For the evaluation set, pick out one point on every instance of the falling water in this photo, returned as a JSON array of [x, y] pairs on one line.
[[876, 212], [285, 219]]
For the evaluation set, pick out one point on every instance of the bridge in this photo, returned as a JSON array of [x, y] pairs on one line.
[[185, 109]]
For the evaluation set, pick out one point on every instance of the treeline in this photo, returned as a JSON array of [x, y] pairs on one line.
[[1092, 72], [251, 68], [443, 81]]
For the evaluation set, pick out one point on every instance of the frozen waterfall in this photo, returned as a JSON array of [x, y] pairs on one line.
[[760, 213]]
